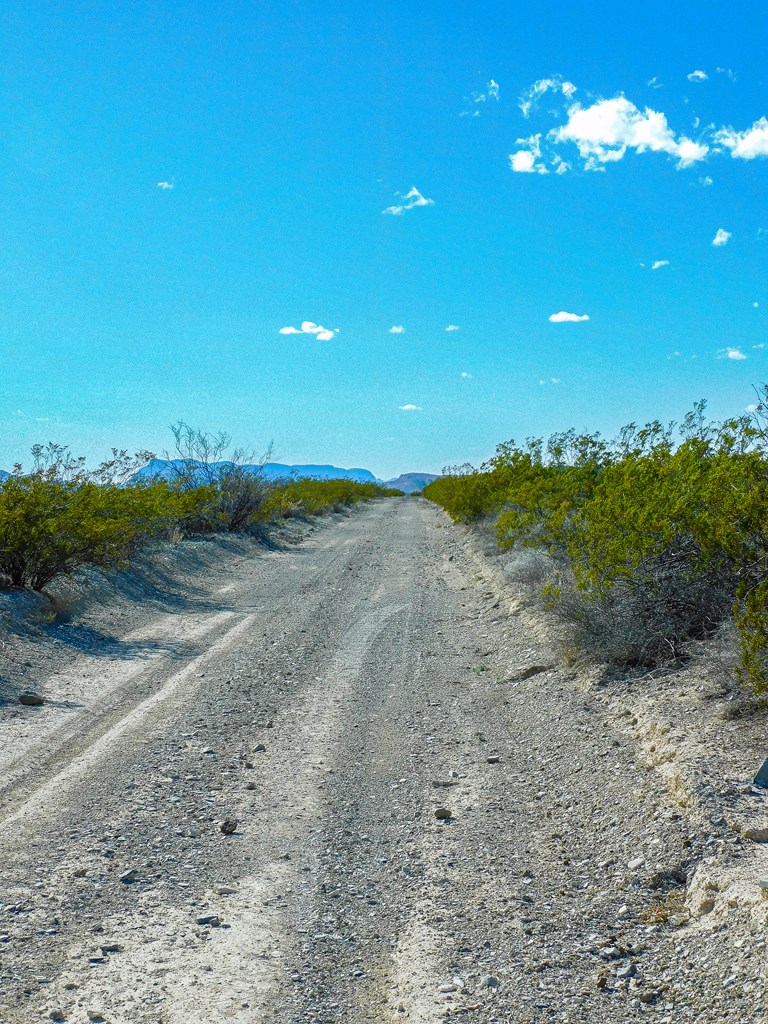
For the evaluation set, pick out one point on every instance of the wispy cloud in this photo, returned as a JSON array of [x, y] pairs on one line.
[[411, 200], [728, 72], [654, 83], [531, 97], [658, 264], [706, 181], [722, 237], [746, 145], [410, 408], [465, 375], [731, 353], [697, 76], [477, 99], [567, 318], [308, 327], [397, 329], [166, 186], [453, 327], [550, 380]]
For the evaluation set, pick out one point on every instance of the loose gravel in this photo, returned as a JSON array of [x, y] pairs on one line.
[[347, 787]]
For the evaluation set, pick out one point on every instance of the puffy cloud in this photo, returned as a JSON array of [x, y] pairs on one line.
[[410, 201], [528, 161], [722, 237], [166, 186], [453, 327], [746, 145], [658, 264], [706, 181], [731, 353], [308, 327], [529, 100], [605, 131], [697, 76], [465, 375], [567, 318], [397, 329], [409, 408]]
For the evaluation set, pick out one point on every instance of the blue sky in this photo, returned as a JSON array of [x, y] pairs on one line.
[[181, 182]]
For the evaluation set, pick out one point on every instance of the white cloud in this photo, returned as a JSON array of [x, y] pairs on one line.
[[731, 353], [698, 76], [167, 186], [465, 375], [397, 329], [605, 131], [550, 380], [410, 200], [409, 408], [746, 145], [491, 93], [727, 71], [528, 161], [529, 100], [308, 327], [654, 83], [658, 264], [752, 408], [706, 181], [567, 318], [755, 305], [721, 237], [761, 345], [453, 327]]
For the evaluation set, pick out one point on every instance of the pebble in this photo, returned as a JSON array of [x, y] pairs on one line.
[[442, 814], [489, 981], [493, 758], [224, 890], [229, 826], [131, 875], [31, 700], [211, 919], [56, 1014]]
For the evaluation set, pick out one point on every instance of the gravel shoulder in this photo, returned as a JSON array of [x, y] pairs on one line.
[[326, 699]]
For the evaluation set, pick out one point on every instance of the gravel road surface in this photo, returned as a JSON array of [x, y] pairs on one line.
[[320, 705]]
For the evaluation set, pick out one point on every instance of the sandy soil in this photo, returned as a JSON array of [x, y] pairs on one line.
[[328, 698]]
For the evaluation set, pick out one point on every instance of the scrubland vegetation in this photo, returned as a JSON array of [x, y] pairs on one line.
[[58, 516], [645, 543]]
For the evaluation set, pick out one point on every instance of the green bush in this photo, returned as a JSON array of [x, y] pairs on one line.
[[660, 535]]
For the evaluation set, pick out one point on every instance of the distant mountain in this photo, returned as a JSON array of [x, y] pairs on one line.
[[409, 483], [166, 469]]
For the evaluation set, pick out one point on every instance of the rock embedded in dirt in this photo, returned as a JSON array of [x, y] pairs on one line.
[[31, 700], [111, 947], [761, 779], [131, 875], [209, 919], [229, 826], [493, 758], [259, 748], [756, 833], [224, 890], [523, 672], [442, 814], [489, 981], [56, 1014]]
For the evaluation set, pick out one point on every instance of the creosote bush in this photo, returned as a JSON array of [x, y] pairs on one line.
[[59, 517], [660, 535]]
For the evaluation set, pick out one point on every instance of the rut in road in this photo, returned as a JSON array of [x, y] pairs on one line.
[[357, 683]]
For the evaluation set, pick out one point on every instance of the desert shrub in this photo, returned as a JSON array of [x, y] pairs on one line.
[[660, 535], [50, 528], [307, 497]]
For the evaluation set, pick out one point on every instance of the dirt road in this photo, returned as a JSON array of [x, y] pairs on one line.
[[329, 698]]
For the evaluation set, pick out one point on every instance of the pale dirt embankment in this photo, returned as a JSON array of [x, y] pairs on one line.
[[330, 697]]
